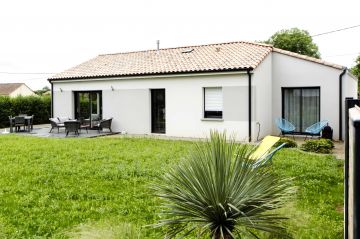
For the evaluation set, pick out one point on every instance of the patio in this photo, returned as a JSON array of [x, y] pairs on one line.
[[43, 131]]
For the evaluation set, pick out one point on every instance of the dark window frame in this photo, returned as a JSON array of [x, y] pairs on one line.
[[299, 88], [76, 102], [211, 114], [87, 91], [156, 127]]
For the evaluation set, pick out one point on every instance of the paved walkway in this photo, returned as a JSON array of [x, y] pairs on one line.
[[43, 131]]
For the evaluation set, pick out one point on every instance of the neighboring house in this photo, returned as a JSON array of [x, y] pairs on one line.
[[187, 91], [15, 89]]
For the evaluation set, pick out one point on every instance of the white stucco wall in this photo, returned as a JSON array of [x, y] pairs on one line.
[[262, 78], [128, 100], [350, 86], [293, 72], [129, 103], [63, 103], [23, 90]]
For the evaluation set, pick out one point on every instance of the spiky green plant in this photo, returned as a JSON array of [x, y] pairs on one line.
[[217, 191]]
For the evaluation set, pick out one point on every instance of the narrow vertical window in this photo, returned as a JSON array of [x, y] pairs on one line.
[[213, 102]]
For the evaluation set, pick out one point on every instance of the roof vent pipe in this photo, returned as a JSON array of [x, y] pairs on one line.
[[157, 44]]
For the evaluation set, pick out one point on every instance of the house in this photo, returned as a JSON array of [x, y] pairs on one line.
[[15, 89], [240, 87]]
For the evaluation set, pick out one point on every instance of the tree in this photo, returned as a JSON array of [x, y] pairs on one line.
[[295, 40], [217, 191], [356, 71], [42, 91]]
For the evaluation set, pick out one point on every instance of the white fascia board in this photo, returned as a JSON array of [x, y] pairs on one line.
[[151, 76]]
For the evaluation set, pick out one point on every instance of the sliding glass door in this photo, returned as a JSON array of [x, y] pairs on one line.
[[88, 106], [301, 106]]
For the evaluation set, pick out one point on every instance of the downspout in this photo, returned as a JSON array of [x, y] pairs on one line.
[[52, 99], [250, 103], [340, 102]]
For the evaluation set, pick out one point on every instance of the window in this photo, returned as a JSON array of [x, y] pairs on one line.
[[213, 102], [301, 106]]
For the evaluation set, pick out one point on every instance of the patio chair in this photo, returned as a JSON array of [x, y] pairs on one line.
[[84, 124], [285, 126], [316, 128], [263, 153], [72, 126], [30, 123], [18, 122], [95, 119], [55, 123], [105, 123]]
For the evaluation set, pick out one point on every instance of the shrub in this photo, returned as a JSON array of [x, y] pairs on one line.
[[323, 146], [218, 191], [289, 143], [40, 107]]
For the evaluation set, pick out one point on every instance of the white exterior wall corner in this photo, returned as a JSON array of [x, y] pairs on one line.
[[262, 80], [350, 89], [184, 103], [289, 71], [351, 85]]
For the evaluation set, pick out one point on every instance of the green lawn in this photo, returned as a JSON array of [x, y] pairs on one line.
[[83, 188]]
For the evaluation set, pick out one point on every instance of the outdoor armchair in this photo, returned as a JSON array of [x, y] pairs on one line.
[[55, 123], [285, 126], [316, 128], [72, 126], [105, 123], [84, 124], [18, 122], [30, 123], [95, 119]]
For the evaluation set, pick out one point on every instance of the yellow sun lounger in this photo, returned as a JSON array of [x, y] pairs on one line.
[[262, 154]]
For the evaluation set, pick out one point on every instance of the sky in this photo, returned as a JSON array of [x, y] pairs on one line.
[[47, 36]]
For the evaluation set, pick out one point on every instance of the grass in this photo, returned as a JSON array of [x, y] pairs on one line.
[[99, 188]]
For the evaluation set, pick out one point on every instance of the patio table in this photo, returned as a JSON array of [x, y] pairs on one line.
[[27, 120]]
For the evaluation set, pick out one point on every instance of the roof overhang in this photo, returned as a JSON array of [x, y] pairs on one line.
[[158, 75]]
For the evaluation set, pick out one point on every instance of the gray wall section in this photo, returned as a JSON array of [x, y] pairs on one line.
[[129, 108], [236, 103]]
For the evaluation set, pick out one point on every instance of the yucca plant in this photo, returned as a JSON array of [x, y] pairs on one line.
[[217, 191]]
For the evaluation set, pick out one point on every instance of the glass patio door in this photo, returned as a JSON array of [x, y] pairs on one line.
[[88, 106], [301, 106]]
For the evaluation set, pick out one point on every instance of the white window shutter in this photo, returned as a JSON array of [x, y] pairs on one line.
[[213, 99]]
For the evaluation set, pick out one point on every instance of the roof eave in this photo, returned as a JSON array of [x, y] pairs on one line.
[[149, 74], [307, 58]]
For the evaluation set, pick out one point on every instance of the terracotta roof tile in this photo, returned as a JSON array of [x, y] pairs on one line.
[[214, 57], [8, 88], [203, 58]]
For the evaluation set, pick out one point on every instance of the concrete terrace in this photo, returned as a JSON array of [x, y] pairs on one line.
[[43, 131]]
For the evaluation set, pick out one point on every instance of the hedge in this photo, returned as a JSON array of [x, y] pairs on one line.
[[39, 106]]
